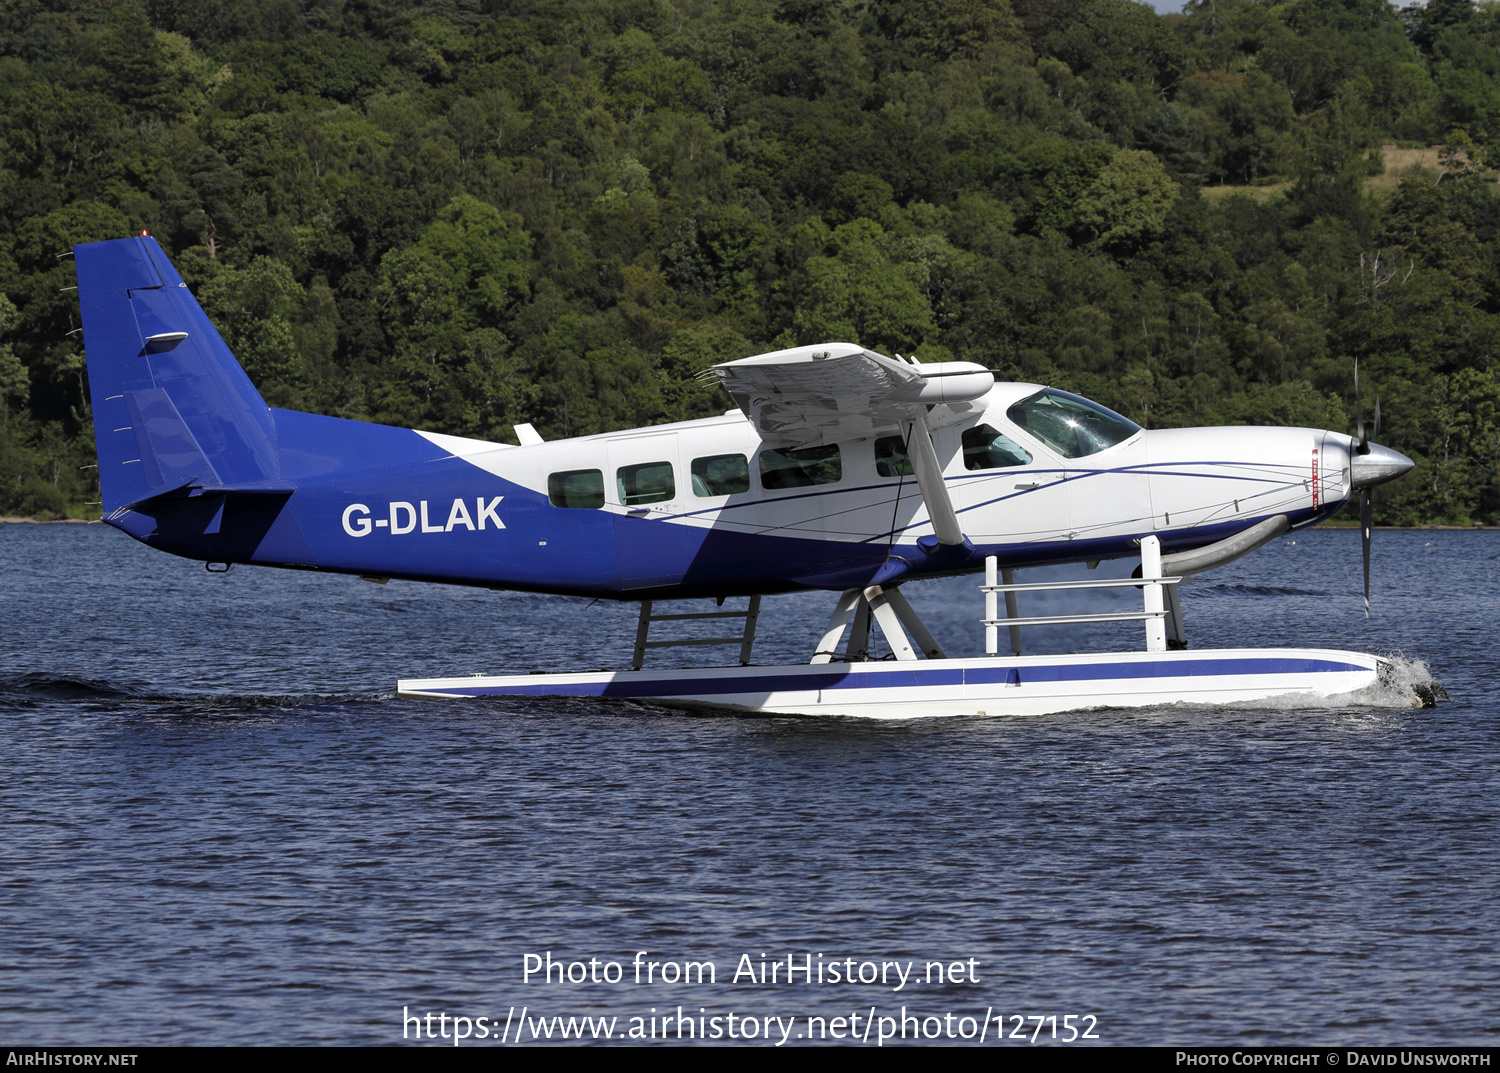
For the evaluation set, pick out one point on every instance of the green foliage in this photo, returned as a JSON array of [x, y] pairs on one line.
[[856, 290], [254, 309], [1244, 122], [15, 384], [464, 215], [938, 29], [1127, 203], [1121, 41]]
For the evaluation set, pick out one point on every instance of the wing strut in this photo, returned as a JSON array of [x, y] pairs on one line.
[[929, 472]]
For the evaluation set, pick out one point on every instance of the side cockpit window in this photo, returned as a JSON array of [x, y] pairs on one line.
[[988, 448], [1070, 424], [891, 459], [720, 475]]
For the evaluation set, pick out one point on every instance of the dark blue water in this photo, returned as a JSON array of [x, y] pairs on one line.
[[220, 825]]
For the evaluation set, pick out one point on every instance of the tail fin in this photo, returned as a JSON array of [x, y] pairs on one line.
[[173, 410]]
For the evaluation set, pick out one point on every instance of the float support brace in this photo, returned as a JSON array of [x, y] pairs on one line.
[[884, 612], [910, 619], [752, 617], [859, 633], [1176, 635], [746, 639], [829, 643], [992, 578], [642, 631], [991, 608]]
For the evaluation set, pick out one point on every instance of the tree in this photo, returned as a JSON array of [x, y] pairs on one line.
[[1128, 202], [855, 292], [1121, 41], [445, 303], [15, 383], [254, 309], [942, 28]]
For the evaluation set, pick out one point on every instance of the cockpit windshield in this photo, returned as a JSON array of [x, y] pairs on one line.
[[1070, 424]]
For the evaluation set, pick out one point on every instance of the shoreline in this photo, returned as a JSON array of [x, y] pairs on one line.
[[1412, 528], [14, 520]]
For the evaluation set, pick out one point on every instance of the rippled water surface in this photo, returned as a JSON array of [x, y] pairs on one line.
[[221, 826]]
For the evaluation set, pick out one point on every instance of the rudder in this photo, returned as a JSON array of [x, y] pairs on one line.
[[173, 409]]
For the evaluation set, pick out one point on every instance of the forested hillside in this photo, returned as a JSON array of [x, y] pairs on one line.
[[461, 214]]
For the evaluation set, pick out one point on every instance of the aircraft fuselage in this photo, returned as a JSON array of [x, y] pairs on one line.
[[388, 502]]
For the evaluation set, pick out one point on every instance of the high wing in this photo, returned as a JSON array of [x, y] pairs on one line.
[[813, 395]]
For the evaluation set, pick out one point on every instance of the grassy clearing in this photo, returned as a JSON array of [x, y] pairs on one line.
[[1399, 163]]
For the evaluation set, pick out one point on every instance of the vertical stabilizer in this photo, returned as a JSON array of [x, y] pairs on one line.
[[173, 410]]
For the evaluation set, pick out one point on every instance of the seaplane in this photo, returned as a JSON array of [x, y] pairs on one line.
[[839, 469]]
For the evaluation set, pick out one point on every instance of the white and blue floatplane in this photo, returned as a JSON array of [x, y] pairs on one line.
[[840, 469]]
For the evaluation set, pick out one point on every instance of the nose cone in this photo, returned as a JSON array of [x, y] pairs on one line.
[[1381, 464]]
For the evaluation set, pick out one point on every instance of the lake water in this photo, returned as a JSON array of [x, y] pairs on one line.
[[222, 827]]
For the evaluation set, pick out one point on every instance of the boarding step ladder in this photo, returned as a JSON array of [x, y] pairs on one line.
[[750, 615]]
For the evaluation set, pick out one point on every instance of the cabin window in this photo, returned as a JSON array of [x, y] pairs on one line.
[[891, 459], [1070, 424], [646, 482], [985, 448], [801, 467], [720, 475], [581, 488]]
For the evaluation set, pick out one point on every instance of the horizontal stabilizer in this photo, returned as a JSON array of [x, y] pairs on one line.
[[266, 491]]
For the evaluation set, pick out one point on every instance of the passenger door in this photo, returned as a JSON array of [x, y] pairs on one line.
[[645, 486]]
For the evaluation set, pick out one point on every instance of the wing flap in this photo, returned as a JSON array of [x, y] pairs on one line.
[[813, 395]]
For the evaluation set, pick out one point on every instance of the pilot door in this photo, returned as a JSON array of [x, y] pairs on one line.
[[1109, 493]]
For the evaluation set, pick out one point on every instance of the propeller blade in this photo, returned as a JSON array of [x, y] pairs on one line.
[[1376, 433], [1359, 407], [1366, 522]]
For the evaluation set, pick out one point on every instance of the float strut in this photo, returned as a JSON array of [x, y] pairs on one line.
[[746, 639], [890, 611], [883, 608], [991, 608], [859, 633], [1176, 635], [828, 645], [992, 578], [642, 631], [747, 642], [1009, 577], [909, 618]]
